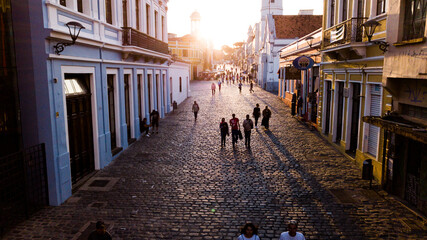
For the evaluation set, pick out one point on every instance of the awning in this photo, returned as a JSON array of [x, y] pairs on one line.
[[406, 129]]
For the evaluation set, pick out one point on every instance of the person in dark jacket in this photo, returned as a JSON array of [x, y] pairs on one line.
[[100, 233], [256, 114], [294, 104], [155, 116], [266, 114], [247, 127], [223, 126]]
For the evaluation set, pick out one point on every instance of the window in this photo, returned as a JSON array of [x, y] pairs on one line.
[[185, 53], [147, 15], [380, 7], [80, 6], [415, 19], [163, 28], [332, 13], [180, 84], [63, 2], [125, 13], [137, 14], [155, 24], [344, 10], [272, 1], [108, 12]]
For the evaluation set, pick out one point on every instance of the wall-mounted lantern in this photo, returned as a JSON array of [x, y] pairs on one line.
[[74, 28], [309, 41], [370, 30]]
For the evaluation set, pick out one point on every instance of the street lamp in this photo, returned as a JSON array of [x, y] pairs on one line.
[[309, 41], [370, 26], [74, 28]]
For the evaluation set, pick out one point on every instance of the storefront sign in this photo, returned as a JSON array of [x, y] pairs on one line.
[[292, 73], [303, 63]]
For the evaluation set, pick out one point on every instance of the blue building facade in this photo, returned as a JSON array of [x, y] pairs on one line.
[[100, 88]]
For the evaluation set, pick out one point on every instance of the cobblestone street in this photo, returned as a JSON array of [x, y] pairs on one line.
[[180, 184]]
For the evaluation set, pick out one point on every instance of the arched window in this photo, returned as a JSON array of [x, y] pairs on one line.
[[180, 84]]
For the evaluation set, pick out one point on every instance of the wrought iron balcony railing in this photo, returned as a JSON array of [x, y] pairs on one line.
[[346, 32], [132, 37]]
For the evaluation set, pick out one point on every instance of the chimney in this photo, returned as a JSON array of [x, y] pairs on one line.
[[306, 12]]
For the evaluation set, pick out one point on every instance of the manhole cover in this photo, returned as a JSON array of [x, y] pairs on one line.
[[342, 196], [98, 204], [99, 183], [371, 195]]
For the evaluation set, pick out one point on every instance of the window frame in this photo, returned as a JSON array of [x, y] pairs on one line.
[[411, 22]]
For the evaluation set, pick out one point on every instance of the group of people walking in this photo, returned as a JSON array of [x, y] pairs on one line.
[[248, 125], [250, 232]]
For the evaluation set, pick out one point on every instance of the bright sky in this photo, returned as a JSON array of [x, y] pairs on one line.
[[227, 21]]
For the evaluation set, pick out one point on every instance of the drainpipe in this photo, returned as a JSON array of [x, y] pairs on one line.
[[384, 167]]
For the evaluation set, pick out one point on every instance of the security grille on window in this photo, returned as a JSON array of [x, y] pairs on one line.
[[415, 19]]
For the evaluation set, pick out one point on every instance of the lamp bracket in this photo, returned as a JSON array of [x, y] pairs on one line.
[[59, 47], [382, 45]]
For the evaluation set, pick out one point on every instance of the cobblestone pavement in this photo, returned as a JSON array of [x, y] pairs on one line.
[[180, 184]]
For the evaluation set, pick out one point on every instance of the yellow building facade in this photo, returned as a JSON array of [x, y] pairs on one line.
[[351, 79], [190, 49]]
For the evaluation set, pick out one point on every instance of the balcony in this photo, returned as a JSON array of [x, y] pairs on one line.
[[347, 32], [132, 37]]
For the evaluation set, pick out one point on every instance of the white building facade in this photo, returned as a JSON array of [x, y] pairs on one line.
[[114, 75]]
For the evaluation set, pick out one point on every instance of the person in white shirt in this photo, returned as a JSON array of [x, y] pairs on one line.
[[249, 232], [292, 233]]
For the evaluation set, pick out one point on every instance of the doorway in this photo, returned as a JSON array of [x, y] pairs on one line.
[[328, 92], [141, 107], [79, 122], [355, 108], [150, 92], [340, 109], [158, 94], [128, 103]]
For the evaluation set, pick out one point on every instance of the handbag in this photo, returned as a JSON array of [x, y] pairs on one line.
[[240, 135]]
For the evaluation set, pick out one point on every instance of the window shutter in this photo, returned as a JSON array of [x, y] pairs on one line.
[[375, 110]]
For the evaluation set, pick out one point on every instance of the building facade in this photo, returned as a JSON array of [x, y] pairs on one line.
[[294, 83], [404, 172], [192, 48], [351, 79], [179, 77], [101, 87]]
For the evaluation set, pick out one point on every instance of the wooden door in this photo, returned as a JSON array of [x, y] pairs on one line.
[[80, 130]]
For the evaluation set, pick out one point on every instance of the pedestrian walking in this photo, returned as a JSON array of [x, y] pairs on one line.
[[247, 127], [251, 88], [266, 114], [256, 114], [292, 233], [223, 126], [235, 128], [145, 127], [248, 232], [240, 86], [100, 233], [219, 85], [213, 87], [154, 115], [195, 110]]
